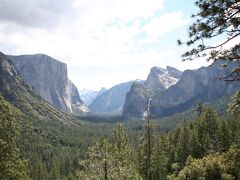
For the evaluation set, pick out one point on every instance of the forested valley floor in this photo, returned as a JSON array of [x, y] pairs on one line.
[[204, 147]]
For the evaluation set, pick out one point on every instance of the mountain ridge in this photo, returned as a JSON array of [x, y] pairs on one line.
[[112, 100], [193, 86], [88, 96], [23, 97]]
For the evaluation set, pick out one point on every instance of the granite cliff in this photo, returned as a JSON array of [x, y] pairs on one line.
[[49, 79], [193, 86], [23, 97], [158, 80]]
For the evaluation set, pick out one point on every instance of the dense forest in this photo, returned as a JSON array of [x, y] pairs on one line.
[[206, 147], [200, 143]]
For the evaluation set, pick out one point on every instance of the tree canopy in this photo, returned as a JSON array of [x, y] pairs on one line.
[[216, 21], [11, 166]]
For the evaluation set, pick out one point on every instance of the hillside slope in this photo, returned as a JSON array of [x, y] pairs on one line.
[[22, 96], [112, 100], [50, 80]]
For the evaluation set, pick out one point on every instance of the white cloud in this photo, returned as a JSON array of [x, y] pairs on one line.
[[124, 10], [94, 33], [166, 23]]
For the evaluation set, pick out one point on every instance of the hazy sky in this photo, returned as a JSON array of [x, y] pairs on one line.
[[103, 42]]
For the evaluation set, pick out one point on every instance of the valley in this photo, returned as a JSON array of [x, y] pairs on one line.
[[119, 90], [48, 131]]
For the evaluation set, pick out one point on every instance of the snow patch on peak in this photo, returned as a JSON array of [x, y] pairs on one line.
[[166, 80], [160, 78]]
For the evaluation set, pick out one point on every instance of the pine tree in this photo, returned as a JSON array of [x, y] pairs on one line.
[[146, 147], [215, 18], [99, 164], [194, 143], [161, 157], [225, 136], [122, 154], [234, 108], [212, 129], [208, 133], [200, 109], [11, 166], [184, 149]]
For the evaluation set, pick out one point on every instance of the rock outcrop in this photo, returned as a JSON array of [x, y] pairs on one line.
[[49, 78], [158, 80], [22, 96], [191, 87]]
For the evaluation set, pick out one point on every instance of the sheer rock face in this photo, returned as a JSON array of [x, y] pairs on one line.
[[161, 79], [158, 80], [193, 86], [202, 84], [136, 100], [21, 95], [49, 78]]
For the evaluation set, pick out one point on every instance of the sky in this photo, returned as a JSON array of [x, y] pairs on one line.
[[103, 42]]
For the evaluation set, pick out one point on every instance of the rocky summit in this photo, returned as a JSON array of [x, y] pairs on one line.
[[158, 80], [49, 79], [173, 92]]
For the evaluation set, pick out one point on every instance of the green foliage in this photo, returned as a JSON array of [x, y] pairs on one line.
[[55, 148], [147, 141], [110, 160], [234, 108], [123, 155], [216, 18], [161, 157], [184, 148], [11, 166], [99, 164], [214, 166]]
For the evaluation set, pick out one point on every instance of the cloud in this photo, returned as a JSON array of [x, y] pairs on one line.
[[37, 13], [164, 24], [114, 40], [124, 10]]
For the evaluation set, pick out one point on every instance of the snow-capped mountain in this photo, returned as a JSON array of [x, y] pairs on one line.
[[88, 96]]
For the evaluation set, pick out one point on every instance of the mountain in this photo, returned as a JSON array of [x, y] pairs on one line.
[[112, 100], [23, 97], [88, 96], [49, 79], [158, 80], [161, 79], [202, 84]]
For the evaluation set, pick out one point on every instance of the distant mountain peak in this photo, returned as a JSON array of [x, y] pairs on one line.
[[192, 86], [160, 78], [88, 96], [158, 70], [112, 100]]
